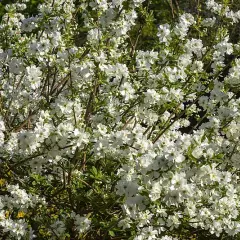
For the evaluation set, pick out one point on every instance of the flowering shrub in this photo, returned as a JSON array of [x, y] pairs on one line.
[[102, 139]]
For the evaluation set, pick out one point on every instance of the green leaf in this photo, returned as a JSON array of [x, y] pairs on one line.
[[111, 233], [94, 171]]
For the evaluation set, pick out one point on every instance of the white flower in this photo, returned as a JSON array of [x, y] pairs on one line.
[[34, 76], [82, 223], [127, 91], [197, 152], [124, 223], [156, 191], [94, 35], [58, 227], [164, 33]]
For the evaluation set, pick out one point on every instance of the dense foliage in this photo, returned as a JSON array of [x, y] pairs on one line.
[[119, 120]]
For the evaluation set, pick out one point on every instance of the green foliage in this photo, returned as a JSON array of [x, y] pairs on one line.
[[31, 9], [90, 189]]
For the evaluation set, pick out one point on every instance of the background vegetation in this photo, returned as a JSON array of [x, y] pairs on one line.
[[152, 14]]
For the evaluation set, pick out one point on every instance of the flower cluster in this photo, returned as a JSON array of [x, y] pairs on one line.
[[101, 136]]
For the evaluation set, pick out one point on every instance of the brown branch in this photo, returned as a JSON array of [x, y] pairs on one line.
[[90, 103], [24, 123], [174, 120]]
